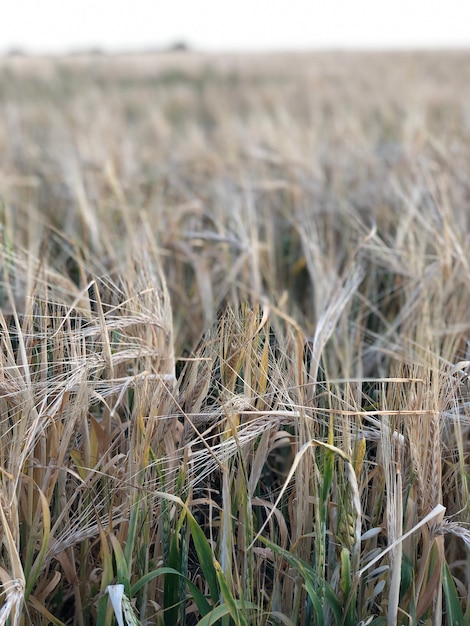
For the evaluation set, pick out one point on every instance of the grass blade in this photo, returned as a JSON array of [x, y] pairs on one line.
[[454, 612], [205, 556]]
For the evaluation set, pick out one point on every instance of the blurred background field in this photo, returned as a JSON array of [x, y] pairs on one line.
[[235, 296], [208, 144]]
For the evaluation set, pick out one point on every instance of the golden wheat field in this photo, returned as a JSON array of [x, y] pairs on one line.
[[235, 339]]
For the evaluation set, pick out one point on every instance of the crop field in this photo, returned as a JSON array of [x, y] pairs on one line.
[[235, 339]]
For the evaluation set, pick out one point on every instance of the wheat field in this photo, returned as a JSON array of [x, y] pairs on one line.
[[235, 339]]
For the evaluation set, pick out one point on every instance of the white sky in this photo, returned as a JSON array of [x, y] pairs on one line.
[[64, 25]]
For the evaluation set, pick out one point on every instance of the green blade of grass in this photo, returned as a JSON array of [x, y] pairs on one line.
[[454, 615], [122, 570], [171, 588], [199, 599], [308, 575], [347, 589], [232, 604], [223, 611], [205, 556]]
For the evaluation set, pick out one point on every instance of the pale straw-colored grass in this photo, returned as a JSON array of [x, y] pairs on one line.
[[234, 339]]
